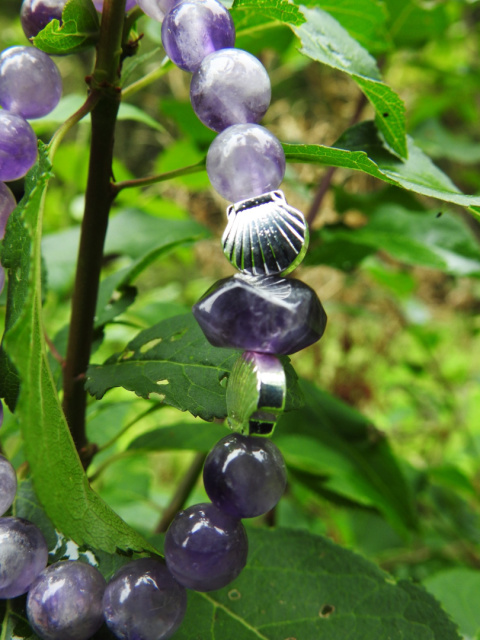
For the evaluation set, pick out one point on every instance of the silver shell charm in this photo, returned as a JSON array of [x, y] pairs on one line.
[[256, 392], [265, 236]]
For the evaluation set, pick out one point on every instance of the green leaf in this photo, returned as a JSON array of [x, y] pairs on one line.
[[412, 23], [59, 480], [459, 592], [14, 624], [79, 29], [186, 436], [361, 148], [251, 13], [325, 40], [342, 449], [297, 585]]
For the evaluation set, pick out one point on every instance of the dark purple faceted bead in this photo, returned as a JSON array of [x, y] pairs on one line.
[[195, 28], [144, 602], [36, 14], [244, 161], [65, 601], [7, 205], [23, 555], [244, 476], [230, 87], [8, 479], [18, 146], [266, 314], [205, 548]]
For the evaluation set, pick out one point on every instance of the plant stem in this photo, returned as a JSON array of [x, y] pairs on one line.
[[61, 132], [161, 177], [98, 200], [182, 493], [157, 73]]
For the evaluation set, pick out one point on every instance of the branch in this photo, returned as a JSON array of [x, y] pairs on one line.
[[144, 182]]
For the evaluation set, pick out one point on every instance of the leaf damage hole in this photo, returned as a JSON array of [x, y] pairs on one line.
[[178, 335], [162, 382], [156, 396], [150, 345], [127, 354], [326, 610], [234, 594], [386, 114]]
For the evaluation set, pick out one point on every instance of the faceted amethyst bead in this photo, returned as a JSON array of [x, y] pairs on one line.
[[65, 601], [8, 481], [30, 83], [205, 548], [23, 555], [230, 87], [144, 602], [266, 314], [157, 9], [18, 146], [244, 476], [195, 28], [244, 161], [7, 205], [36, 14]]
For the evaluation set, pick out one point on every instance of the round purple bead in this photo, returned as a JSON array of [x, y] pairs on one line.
[[244, 161], [195, 28], [36, 14], [244, 476], [18, 146], [128, 5], [30, 83], [205, 548], [7, 205], [157, 9], [230, 87], [144, 602], [65, 601], [8, 481], [23, 555]]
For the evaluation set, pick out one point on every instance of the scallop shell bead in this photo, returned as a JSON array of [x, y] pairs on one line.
[[265, 236]]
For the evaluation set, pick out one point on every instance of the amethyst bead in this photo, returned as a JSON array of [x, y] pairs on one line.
[[18, 146], [266, 314], [23, 555], [144, 602], [7, 205], [195, 28], [244, 161], [244, 476], [65, 602], [8, 480], [205, 548], [157, 9], [30, 83], [230, 87], [36, 14]]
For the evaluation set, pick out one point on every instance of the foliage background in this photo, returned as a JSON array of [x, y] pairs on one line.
[[396, 272]]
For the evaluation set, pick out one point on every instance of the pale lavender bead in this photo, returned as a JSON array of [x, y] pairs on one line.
[[36, 14], [129, 5], [18, 146], [205, 548], [7, 205], [157, 9], [195, 28], [144, 602], [230, 87], [65, 601], [244, 161], [8, 481], [30, 83], [23, 555]]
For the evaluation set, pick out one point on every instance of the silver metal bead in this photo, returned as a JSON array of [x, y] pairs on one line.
[[265, 235], [256, 393]]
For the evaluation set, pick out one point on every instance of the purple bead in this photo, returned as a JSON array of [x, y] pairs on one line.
[[244, 476], [65, 601], [195, 28], [18, 146], [129, 5], [144, 602], [23, 555], [230, 87], [244, 161], [205, 548], [36, 14], [157, 9], [30, 83], [8, 481], [7, 205], [266, 314]]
